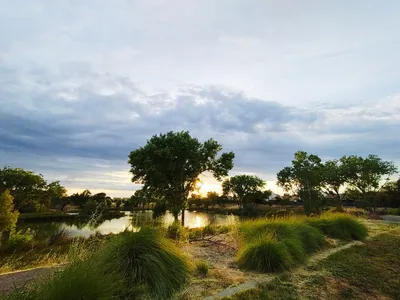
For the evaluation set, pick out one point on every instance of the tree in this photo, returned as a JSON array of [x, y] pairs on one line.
[[366, 174], [171, 164], [333, 178], [243, 188], [8, 216], [303, 177], [26, 187], [55, 194], [213, 198]]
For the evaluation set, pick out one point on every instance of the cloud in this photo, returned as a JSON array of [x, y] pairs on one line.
[[85, 127]]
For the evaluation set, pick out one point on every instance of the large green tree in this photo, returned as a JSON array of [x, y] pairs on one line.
[[171, 164], [243, 188], [367, 174], [304, 177]]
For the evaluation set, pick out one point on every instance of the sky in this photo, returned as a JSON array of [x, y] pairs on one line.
[[83, 83]]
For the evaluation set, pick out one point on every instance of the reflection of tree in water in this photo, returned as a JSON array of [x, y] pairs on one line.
[[41, 230]]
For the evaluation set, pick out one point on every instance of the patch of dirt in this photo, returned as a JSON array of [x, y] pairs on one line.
[[219, 251]]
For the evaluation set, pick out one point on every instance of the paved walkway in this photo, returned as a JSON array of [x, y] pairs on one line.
[[8, 281]]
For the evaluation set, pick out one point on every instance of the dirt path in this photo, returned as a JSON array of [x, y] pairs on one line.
[[9, 281]]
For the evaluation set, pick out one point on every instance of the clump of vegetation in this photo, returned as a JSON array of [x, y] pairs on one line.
[[265, 254], [21, 240], [61, 236], [275, 244], [178, 232], [340, 226], [202, 268], [146, 259]]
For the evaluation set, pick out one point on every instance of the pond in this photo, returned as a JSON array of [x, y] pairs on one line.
[[131, 221]]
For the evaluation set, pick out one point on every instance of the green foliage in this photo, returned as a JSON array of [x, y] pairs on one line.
[[333, 178], [147, 259], [202, 268], [8, 216], [394, 211], [171, 163], [19, 241], [264, 254], [340, 226], [365, 174], [30, 191], [177, 231], [305, 177], [245, 188]]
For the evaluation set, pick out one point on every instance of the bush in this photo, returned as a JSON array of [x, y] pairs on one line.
[[340, 226], [311, 238], [20, 241], [264, 254], [202, 268], [393, 211], [177, 232], [146, 259], [295, 248]]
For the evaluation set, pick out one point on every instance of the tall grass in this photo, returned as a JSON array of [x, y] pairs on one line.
[[265, 254], [146, 259], [340, 226], [275, 244]]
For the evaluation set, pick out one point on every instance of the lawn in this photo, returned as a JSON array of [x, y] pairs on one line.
[[367, 271]]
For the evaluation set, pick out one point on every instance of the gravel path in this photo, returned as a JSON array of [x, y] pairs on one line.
[[9, 281]]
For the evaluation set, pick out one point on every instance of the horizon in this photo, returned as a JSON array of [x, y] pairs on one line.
[[83, 84]]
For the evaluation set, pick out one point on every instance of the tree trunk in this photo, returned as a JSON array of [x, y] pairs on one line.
[[183, 217], [338, 202]]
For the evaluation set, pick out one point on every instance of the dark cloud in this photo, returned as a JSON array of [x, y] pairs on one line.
[[95, 117]]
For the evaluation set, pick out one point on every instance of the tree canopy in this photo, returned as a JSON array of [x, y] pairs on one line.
[[29, 190], [304, 177], [244, 188], [171, 164]]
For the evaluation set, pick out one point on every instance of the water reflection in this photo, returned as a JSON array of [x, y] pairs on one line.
[[131, 221]]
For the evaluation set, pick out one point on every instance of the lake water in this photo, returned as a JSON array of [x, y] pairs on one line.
[[131, 221]]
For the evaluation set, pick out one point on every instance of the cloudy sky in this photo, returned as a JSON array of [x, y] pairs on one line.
[[82, 83]]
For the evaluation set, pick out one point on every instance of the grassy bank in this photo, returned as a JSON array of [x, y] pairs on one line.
[[368, 271], [270, 245]]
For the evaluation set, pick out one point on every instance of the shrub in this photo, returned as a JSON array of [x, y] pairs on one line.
[[20, 241], [311, 238], [146, 259], [393, 211], [340, 226], [177, 232], [202, 268], [295, 248], [264, 254]]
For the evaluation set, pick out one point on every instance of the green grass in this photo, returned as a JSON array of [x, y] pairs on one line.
[[147, 259], [264, 254], [340, 226], [277, 244], [367, 271], [202, 268]]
